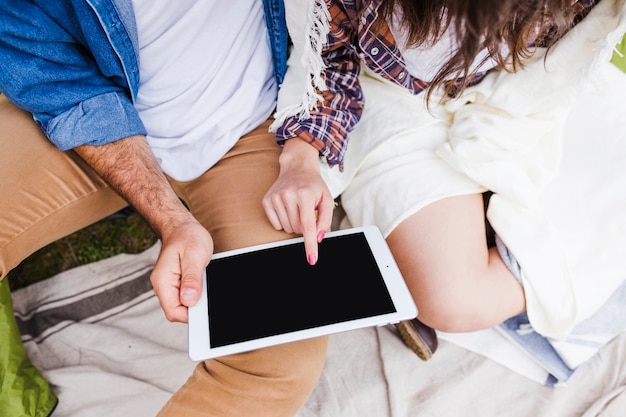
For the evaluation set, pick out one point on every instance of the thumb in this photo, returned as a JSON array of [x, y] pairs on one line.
[[190, 286]]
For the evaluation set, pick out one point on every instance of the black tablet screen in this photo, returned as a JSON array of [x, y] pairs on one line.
[[275, 291]]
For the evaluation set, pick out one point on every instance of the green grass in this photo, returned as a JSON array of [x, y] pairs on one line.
[[619, 55], [125, 232]]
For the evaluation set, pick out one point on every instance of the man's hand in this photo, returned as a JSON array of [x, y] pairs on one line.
[[129, 167], [177, 275], [299, 200]]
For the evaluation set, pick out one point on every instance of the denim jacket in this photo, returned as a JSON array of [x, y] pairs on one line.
[[74, 65]]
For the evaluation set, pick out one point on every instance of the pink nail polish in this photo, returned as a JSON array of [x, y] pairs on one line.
[[312, 259], [320, 236]]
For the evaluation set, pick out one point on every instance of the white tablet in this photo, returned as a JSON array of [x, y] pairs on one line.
[[268, 294]]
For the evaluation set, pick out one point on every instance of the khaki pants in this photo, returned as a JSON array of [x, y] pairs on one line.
[[48, 194]]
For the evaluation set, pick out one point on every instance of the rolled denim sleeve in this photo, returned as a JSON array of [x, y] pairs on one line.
[[95, 121], [76, 89]]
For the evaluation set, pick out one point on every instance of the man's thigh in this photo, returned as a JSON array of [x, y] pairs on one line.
[[273, 381], [46, 194], [227, 198]]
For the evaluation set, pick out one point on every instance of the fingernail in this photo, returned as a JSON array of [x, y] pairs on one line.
[[320, 236], [187, 293], [312, 259]]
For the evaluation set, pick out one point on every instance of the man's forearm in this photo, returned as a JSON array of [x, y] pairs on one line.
[[129, 166]]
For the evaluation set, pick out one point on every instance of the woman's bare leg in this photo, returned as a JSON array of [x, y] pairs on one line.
[[458, 283]]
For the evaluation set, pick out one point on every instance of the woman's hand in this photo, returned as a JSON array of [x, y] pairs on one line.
[[299, 201]]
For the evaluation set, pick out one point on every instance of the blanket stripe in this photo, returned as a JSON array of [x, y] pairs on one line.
[[106, 302]]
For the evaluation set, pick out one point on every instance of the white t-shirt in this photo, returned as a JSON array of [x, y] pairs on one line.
[[206, 78]]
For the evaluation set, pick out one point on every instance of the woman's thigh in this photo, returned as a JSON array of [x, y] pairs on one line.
[[47, 194]]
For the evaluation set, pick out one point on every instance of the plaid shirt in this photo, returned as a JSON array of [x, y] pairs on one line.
[[351, 41]]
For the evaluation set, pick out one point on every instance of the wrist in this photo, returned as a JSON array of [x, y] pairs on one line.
[[169, 218], [299, 153]]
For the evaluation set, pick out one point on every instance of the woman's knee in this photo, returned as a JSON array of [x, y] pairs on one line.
[[448, 314], [473, 304]]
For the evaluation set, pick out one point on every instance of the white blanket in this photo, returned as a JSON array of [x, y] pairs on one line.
[[100, 337], [583, 212]]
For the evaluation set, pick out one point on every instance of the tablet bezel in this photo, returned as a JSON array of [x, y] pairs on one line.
[[198, 326]]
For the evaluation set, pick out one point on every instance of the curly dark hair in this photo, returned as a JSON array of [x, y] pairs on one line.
[[508, 29]]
